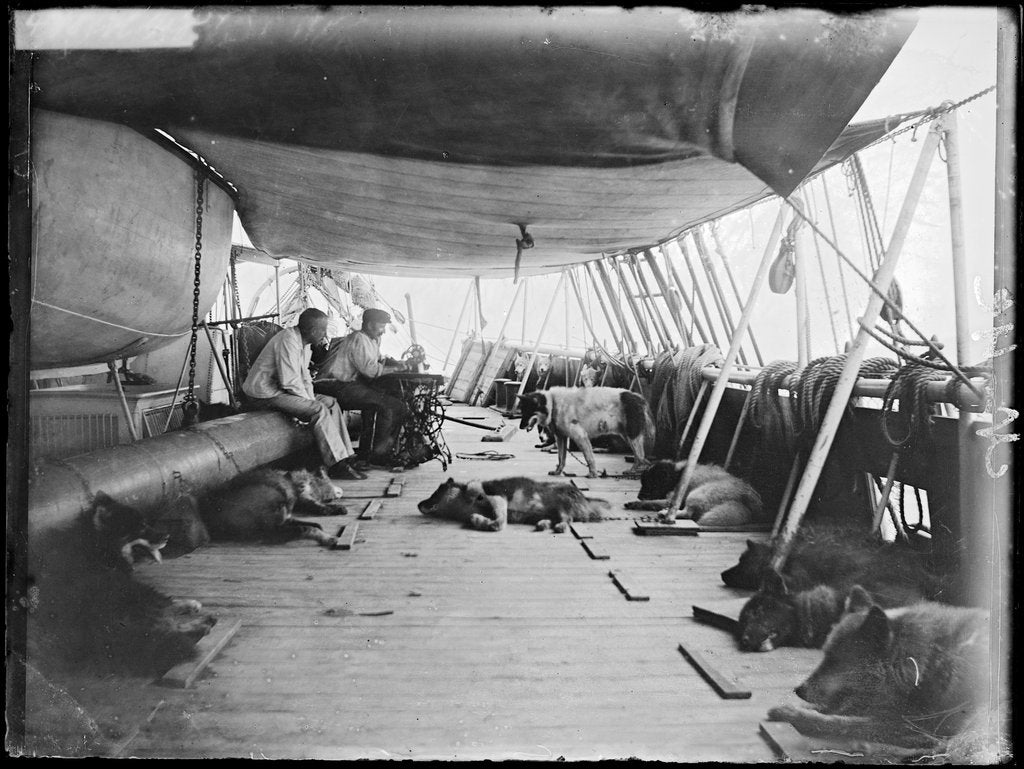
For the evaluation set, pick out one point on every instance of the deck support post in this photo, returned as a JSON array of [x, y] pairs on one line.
[[670, 301], [800, 254], [220, 366], [458, 325], [112, 365], [682, 293], [717, 293], [497, 342], [711, 409], [735, 289], [688, 260], [540, 335], [638, 270], [583, 310], [627, 335], [848, 378]]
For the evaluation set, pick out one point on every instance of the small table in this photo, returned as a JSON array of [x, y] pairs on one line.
[[422, 427]]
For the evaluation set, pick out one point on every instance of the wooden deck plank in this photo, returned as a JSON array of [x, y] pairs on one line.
[[185, 674], [495, 644]]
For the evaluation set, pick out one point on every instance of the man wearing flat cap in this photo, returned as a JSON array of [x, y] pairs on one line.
[[345, 370]]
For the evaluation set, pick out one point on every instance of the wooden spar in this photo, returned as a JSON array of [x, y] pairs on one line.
[[824, 281], [735, 291], [803, 330], [458, 325], [659, 320], [579, 300], [177, 389], [956, 236], [641, 323], [645, 300], [112, 365], [844, 387], [717, 294], [633, 293], [627, 334], [694, 410], [842, 277], [673, 307], [220, 365], [682, 293], [883, 500], [412, 323], [565, 292], [736, 433], [688, 261], [711, 409], [499, 339], [967, 495], [526, 302], [622, 341], [540, 335]]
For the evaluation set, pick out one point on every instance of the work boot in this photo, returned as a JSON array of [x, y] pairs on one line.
[[344, 471]]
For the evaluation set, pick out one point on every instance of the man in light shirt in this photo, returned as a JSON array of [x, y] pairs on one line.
[[346, 370], [280, 380]]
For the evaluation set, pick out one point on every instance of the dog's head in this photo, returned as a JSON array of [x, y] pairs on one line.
[[769, 619], [316, 486], [121, 535], [659, 480], [447, 493], [748, 572], [534, 409], [846, 682]]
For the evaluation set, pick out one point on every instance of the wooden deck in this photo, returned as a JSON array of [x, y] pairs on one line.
[[429, 641]]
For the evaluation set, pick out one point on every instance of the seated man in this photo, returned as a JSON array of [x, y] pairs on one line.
[[346, 370], [280, 380]]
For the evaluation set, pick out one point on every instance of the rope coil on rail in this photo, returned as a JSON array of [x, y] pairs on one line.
[[913, 418]]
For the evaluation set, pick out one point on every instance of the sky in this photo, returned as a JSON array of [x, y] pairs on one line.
[[949, 56]]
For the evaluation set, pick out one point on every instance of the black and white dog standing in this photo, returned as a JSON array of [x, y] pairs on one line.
[[581, 413]]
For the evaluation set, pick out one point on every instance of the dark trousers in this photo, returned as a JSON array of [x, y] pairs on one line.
[[382, 414]]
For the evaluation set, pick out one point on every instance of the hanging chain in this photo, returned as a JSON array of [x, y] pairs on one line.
[[190, 406]]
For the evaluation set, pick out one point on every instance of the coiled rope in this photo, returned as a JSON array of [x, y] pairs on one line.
[[913, 418]]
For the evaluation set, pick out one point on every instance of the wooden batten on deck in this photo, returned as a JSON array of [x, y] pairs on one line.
[[427, 640]]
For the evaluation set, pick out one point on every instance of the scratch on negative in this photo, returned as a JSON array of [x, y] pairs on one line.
[[917, 672], [599, 53]]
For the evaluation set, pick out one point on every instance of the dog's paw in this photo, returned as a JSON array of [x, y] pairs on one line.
[[784, 713], [186, 606], [560, 528], [543, 525], [593, 474], [554, 472]]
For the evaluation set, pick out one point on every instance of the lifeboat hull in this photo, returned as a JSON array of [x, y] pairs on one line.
[[114, 234]]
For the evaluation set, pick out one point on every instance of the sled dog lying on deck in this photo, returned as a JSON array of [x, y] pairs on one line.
[[819, 553], [489, 505], [910, 676], [715, 498], [800, 610], [582, 413], [258, 505], [88, 613]]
